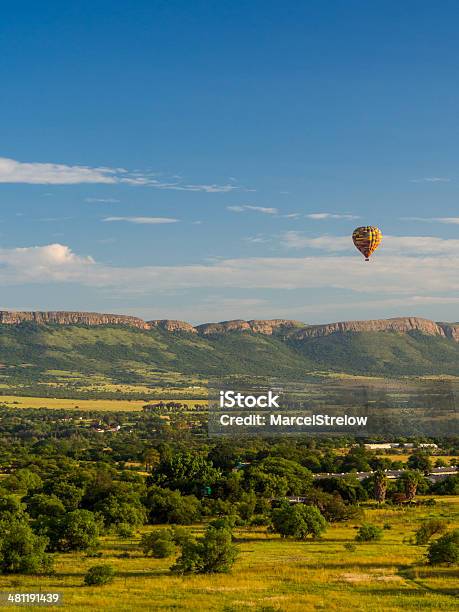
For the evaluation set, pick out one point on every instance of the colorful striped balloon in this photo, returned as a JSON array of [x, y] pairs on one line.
[[367, 239]]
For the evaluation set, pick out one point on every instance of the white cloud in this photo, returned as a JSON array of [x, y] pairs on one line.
[[142, 220], [53, 262], [448, 220], [101, 200], [326, 215], [391, 275], [431, 179], [12, 171], [38, 173], [261, 209]]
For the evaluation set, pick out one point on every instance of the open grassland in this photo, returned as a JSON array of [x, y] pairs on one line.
[[272, 574], [14, 401]]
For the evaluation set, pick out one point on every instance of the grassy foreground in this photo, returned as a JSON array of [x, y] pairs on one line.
[[272, 574]]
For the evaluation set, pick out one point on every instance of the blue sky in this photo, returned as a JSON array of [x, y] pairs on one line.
[[209, 160]]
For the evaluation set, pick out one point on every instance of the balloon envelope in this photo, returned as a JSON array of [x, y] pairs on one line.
[[367, 239]]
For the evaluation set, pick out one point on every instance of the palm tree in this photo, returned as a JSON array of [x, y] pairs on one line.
[[380, 482], [411, 480]]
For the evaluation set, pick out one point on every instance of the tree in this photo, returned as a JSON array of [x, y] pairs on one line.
[[186, 471], [445, 549], [152, 459], [349, 487], [277, 477], [69, 494], [23, 480], [122, 505], [159, 543], [44, 505], [368, 533], [99, 574], [357, 459], [11, 507], [21, 551], [166, 506], [428, 529], [447, 486], [298, 521], [380, 486], [420, 461], [214, 553], [332, 506], [76, 530], [410, 481]]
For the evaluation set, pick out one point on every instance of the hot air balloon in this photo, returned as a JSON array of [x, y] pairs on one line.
[[367, 239]]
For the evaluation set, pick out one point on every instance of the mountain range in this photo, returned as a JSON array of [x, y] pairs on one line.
[[129, 348]]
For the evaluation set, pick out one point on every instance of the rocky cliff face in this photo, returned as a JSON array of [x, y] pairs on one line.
[[400, 325], [258, 326], [70, 318], [172, 326], [268, 327]]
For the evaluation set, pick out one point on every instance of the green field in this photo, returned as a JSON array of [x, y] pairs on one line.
[[272, 574]]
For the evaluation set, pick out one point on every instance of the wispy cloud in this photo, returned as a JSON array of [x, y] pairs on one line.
[[392, 245], [12, 171], [327, 215], [261, 209], [38, 173], [433, 277], [449, 220], [431, 179], [141, 220], [101, 200]]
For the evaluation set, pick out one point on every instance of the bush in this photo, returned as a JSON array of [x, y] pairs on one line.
[[99, 574], [125, 531], [368, 533], [212, 554], [180, 535], [160, 543], [349, 546], [428, 529], [445, 549]]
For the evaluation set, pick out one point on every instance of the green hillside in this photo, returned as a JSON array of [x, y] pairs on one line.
[[28, 352]]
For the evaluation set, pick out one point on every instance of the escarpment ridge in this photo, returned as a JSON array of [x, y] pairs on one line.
[[267, 327]]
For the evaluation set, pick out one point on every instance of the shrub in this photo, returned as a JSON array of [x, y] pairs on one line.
[[428, 529], [350, 546], [445, 549], [158, 543], [368, 533], [99, 574], [124, 530], [214, 553], [180, 535]]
